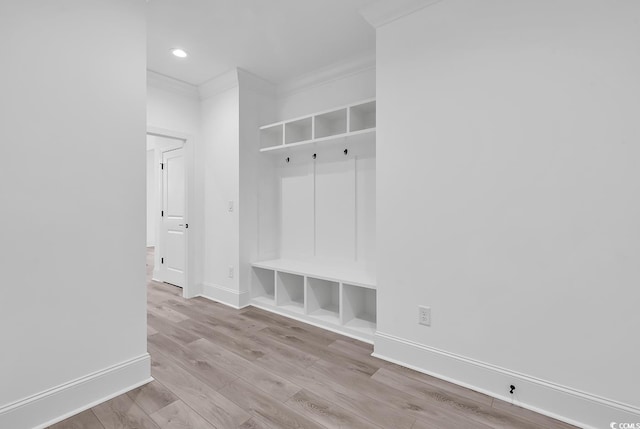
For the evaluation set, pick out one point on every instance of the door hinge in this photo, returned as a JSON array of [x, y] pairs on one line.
[[161, 213], [161, 166], [162, 260]]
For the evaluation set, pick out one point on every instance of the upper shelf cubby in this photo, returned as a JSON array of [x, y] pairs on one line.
[[271, 136], [342, 122], [331, 124], [298, 131], [363, 116]]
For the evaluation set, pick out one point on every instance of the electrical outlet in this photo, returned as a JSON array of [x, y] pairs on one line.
[[424, 315], [230, 271], [230, 206]]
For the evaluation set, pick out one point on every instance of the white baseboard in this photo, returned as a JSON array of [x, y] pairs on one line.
[[226, 296], [63, 401], [560, 402]]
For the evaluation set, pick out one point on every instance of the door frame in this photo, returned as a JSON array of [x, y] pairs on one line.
[[189, 289]]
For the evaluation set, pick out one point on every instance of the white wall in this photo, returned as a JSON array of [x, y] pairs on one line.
[[507, 175], [172, 105], [152, 204], [220, 120], [72, 126]]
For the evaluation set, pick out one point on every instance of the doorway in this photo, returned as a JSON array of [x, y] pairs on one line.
[[168, 195]]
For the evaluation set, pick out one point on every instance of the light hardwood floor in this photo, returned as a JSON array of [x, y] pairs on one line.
[[216, 367]]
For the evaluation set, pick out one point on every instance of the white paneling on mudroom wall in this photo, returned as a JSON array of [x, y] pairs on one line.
[[326, 207]]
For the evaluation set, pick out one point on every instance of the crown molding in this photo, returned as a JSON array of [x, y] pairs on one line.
[[255, 83], [383, 12], [237, 76], [160, 81], [219, 84], [324, 75]]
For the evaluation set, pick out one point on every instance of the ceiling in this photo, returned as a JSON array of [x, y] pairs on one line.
[[275, 39]]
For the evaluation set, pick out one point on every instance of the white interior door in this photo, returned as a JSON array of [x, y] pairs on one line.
[[173, 223]]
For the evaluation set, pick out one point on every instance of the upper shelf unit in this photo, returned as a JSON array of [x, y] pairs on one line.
[[354, 119]]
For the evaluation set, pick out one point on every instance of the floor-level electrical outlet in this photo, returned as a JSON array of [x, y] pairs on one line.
[[424, 315], [230, 271]]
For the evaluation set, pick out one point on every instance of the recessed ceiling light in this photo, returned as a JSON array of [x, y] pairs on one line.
[[179, 53]]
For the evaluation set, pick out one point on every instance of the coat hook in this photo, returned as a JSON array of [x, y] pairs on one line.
[[287, 159], [314, 156], [346, 151]]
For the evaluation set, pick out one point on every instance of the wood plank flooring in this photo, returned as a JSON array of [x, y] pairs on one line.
[[220, 368]]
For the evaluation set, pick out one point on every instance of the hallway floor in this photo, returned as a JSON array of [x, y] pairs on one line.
[[217, 367]]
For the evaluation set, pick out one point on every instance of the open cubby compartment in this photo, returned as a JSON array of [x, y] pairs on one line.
[[323, 299], [290, 291], [263, 285], [271, 136], [331, 124], [298, 131], [362, 116], [359, 308]]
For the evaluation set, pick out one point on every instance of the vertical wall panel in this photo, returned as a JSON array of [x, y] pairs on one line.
[[268, 215], [296, 208], [366, 209], [335, 207]]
